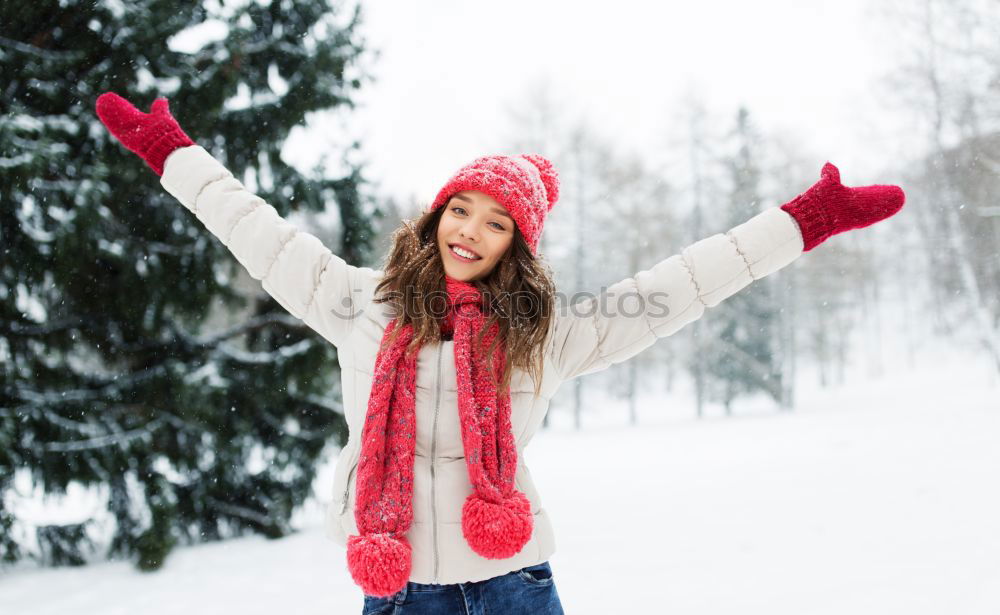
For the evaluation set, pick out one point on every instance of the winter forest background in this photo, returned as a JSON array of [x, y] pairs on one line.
[[153, 397]]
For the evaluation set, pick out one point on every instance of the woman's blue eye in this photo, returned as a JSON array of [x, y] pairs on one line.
[[462, 209]]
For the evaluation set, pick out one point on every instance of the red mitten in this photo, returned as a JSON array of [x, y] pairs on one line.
[[152, 135], [829, 207]]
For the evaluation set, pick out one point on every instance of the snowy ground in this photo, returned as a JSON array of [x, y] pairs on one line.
[[879, 497]]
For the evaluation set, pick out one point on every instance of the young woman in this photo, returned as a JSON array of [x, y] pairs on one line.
[[451, 353]]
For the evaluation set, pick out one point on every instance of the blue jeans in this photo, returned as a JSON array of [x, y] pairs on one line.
[[526, 591]]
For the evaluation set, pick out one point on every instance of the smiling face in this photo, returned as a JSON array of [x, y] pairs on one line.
[[476, 222]]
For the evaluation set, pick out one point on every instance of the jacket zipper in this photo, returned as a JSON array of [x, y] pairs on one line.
[[347, 485], [437, 402]]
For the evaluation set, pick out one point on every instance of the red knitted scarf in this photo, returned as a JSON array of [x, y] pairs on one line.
[[496, 518]]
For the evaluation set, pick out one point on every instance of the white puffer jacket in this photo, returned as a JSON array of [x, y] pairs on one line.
[[334, 299]]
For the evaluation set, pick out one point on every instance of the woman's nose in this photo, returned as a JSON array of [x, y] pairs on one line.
[[469, 230]]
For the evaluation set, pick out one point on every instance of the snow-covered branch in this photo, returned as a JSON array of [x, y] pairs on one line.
[[239, 511], [49, 54], [102, 441]]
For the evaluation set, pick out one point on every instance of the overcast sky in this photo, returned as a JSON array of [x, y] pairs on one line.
[[449, 68]]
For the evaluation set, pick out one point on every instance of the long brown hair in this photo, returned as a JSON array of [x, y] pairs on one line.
[[519, 291]]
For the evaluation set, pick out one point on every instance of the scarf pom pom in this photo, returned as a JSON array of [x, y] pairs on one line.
[[379, 563], [497, 530]]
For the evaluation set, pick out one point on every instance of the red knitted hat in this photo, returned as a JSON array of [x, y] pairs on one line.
[[527, 185]]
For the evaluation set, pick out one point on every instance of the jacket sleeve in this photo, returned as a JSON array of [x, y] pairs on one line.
[[307, 279], [593, 333]]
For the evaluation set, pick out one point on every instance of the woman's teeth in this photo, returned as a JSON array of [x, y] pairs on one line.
[[463, 253]]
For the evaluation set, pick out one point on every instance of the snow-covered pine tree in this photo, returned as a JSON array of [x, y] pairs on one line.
[[108, 377], [741, 357]]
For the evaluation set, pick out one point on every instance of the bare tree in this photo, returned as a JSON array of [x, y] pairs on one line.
[[949, 77]]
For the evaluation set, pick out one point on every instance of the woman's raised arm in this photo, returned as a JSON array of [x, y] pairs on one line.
[[591, 334], [307, 279]]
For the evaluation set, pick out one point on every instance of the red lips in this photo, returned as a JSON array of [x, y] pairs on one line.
[[466, 248]]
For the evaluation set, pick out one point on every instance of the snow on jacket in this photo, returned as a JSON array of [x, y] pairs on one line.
[[334, 298]]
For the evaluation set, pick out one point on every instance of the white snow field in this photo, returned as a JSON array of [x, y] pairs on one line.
[[880, 496]]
